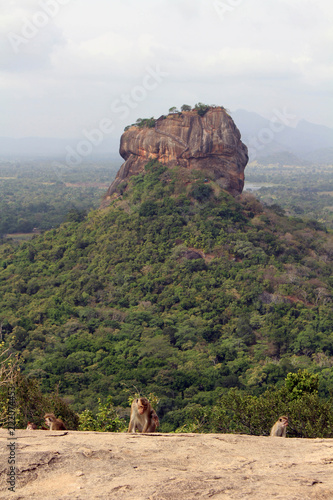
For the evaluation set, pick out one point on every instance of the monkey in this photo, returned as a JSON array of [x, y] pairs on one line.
[[31, 426], [143, 416], [155, 421], [54, 423], [280, 427]]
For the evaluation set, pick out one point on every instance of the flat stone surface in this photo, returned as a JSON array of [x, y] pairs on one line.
[[92, 465]]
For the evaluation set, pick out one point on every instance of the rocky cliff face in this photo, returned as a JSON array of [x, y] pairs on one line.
[[211, 143]]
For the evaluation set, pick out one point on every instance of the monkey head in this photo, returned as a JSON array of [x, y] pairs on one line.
[[283, 421], [49, 418], [142, 404]]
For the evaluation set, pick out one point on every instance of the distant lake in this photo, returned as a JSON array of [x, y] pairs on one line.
[[254, 186]]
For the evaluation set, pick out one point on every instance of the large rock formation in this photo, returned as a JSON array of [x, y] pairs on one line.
[[211, 143]]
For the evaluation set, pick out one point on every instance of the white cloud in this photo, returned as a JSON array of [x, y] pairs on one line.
[[260, 56]]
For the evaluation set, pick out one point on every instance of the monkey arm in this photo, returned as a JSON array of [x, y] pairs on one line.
[[149, 424], [146, 426]]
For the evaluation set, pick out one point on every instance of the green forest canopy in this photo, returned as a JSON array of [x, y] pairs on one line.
[[177, 289]]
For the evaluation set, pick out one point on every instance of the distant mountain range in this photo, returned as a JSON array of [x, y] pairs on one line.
[[275, 141], [268, 140]]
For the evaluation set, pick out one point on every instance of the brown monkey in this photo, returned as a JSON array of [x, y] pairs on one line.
[[31, 426], [280, 427], [155, 421], [143, 416], [54, 423]]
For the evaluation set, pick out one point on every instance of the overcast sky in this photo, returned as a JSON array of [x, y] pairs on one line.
[[69, 66]]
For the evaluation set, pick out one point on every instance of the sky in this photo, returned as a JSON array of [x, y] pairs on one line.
[[88, 68]]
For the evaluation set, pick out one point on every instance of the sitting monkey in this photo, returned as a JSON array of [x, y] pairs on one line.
[[143, 416], [280, 427], [55, 424], [31, 426]]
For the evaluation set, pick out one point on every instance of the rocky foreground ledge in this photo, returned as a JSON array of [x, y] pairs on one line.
[[92, 465]]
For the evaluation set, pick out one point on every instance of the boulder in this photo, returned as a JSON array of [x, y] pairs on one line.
[[211, 143]]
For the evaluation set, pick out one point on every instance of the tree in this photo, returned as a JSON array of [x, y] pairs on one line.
[[186, 107], [201, 192], [29, 404], [201, 108], [75, 215], [309, 415], [301, 383]]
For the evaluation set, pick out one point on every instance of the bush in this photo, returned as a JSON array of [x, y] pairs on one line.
[[105, 420], [309, 416], [143, 122], [148, 209], [31, 405], [301, 383], [201, 108], [201, 192], [237, 412]]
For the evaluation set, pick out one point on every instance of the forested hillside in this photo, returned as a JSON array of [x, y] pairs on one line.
[[176, 288], [37, 195], [302, 191]]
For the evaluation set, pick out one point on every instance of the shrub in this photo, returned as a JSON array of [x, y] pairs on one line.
[[148, 209], [145, 122], [201, 192], [301, 383], [201, 108], [237, 412], [105, 420], [31, 405]]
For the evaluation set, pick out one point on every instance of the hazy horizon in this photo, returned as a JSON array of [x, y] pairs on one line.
[[263, 137], [115, 137]]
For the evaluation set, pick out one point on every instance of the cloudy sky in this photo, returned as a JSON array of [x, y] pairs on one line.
[[69, 66]]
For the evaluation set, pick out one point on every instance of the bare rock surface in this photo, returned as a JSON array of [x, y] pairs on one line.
[[211, 143], [90, 465]]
